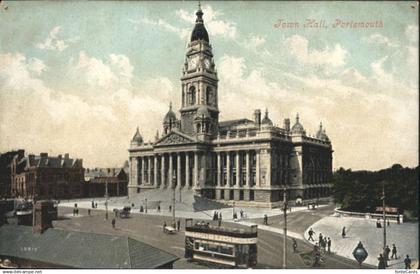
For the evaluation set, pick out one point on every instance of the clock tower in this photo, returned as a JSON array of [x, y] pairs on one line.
[[199, 111]]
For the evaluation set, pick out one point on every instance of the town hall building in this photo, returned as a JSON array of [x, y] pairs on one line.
[[249, 161]]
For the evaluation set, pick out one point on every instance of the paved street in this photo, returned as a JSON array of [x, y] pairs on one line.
[[404, 236], [148, 228]]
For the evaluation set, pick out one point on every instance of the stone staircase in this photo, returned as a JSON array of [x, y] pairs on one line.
[[189, 200]]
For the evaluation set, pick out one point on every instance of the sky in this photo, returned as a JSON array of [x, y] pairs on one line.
[[79, 77]]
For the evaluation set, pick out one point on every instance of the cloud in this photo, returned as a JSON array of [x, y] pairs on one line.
[[116, 71], [37, 66], [373, 117], [253, 42], [52, 42], [412, 33], [183, 33], [212, 21], [39, 118], [380, 39], [299, 48]]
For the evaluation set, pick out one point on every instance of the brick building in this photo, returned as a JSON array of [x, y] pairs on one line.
[[97, 179], [6, 172], [47, 177]]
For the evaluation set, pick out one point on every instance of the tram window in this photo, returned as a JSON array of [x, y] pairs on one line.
[[226, 250]]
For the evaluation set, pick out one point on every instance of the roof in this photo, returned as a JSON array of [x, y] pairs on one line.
[[236, 122], [199, 32], [80, 249], [44, 160]]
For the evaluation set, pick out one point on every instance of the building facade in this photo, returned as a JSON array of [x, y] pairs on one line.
[[6, 160], [47, 177], [99, 181], [249, 161]]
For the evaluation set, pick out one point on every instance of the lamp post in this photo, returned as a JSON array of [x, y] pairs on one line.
[[173, 198], [384, 213], [360, 254], [106, 199], [145, 206], [285, 226]]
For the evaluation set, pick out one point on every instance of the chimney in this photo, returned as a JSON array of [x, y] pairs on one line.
[[257, 117], [31, 158], [44, 155], [66, 156], [43, 216], [60, 156], [287, 124]]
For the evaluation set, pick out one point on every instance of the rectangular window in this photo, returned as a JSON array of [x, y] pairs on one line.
[[251, 195], [241, 195]]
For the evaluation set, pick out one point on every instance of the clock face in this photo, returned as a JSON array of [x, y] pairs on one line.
[[207, 63], [192, 63]]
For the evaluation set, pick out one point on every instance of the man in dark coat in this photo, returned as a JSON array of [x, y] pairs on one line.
[[329, 245], [343, 232], [178, 224], [311, 233], [407, 262], [113, 223], [381, 262], [294, 246], [394, 252]]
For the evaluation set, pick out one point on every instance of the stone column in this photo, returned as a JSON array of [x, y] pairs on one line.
[[218, 170], [132, 189], [163, 181], [155, 171], [149, 170], [238, 169], [170, 171], [141, 164], [248, 169], [178, 171], [257, 168], [228, 168], [195, 168], [187, 169], [268, 175]]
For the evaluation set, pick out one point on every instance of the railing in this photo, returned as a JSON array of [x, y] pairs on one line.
[[370, 216]]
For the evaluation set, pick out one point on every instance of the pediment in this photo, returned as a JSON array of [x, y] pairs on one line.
[[175, 138]]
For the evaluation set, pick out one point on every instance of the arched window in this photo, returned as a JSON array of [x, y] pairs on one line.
[[198, 127], [191, 95], [209, 99]]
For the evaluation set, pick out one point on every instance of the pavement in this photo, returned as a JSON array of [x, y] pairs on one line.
[[404, 236], [148, 228]]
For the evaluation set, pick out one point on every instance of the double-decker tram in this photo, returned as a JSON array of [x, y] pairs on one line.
[[225, 246]]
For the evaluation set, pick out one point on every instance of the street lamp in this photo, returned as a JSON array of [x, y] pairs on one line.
[[360, 254], [285, 225], [173, 198]]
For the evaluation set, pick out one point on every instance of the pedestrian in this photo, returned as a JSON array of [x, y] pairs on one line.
[[220, 216], [170, 208], [242, 213], [329, 245], [113, 223], [93, 204], [141, 208], [394, 252], [387, 222], [178, 225], [116, 213], [398, 218], [343, 232], [311, 233], [381, 262], [214, 215], [219, 222], [294, 245], [321, 239], [96, 205], [265, 219], [378, 224], [89, 211], [235, 215], [386, 255], [164, 225], [158, 208], [407, 262]]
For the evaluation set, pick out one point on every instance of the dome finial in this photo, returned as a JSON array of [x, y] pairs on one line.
[[170, 105], [199, 5], [297, 117], [199, 14], [320, 125]]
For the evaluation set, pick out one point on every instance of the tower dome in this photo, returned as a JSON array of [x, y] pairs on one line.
[[170, 116], [266, 120], [137, 138], [321, 134], [297, 127], [199, 32]]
